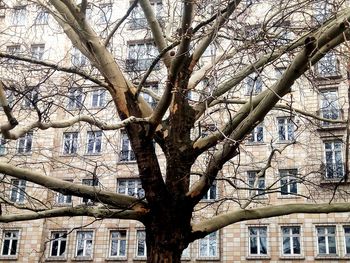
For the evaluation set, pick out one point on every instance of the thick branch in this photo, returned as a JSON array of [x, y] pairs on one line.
[[218, 222], [68, 188], [96, 212]]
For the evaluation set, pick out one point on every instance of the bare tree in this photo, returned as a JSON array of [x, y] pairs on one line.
[[223, 68]]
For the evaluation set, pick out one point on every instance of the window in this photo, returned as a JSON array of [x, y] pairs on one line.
[[211, 194], [141, 56], [10, 239], [98, 98], [37, 51], [42, 16], [94, 142], [208, 246], [257, 241], [253, 84], [89, 182], [258, 188], [328, 65], [334, 159], [18, 188], [84, 244], [257, 134], [70, 142], [126, 154], [30, 99], [24, 144], [118, 243], [285, 129], [14, 49], [326, 240], [130, 187], [78, 59], [19, 16], [75, 98], [288, 181], [141, 250], [62, 199], [138, 19], [2, 146], [58, 243], [291, 241], [347, 239], [210, 51], [153, 87], [329, 105], [279, 72], [105, 13], [2, 9]]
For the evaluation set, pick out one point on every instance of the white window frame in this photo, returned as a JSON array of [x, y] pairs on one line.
[[329, 105], [14, 49], [140, 240], [105, 13], [19, 16], [141, 56], [18, 190], [335, 154], [137, 18], [288, 127], [25, 144], [70, 143], [257, 191], [78, 59], [89, 182], [14, 236], [98, 98], [131, 187], [327, 66], [37, 51], [212, 193], [94, 142], [126, 153], [258, 236], [85, 242], [42, 17], [258, 130], [118, 241], [327, 236], [206, 241], [291, 238], [63, 237], [75, 99], [346, 237], [3, 144], [288, 175]]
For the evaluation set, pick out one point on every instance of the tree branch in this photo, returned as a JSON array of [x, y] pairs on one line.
[[220, 221], [96, 212]]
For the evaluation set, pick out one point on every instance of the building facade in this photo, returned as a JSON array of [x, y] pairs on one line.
[[297, 154]]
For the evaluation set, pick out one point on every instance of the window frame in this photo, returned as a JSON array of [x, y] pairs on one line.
[[75, 98], [291, 175], [328, 107], [94, 182], [11, 239], [140, 55], [254, 134], [100, 94], [19, 15], [126, 152], [326, 236], [18, 191], [258, 254], [37, 51], [93, 138], [253, 84], [119, 240], [139, 239], [27, 141], [334, 164], [258, 191], [291, 241], [85, 240], [346, 235], [212, 193], [207, 239], [72, 143], [59, 240], [137, 190], [42, 17], [30, 98], [288, 127]]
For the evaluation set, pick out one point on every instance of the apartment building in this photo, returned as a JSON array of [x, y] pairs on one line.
[[292, 156]]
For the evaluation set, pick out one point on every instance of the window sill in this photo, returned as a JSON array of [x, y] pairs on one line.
[[49, 259], [82, 259], [289, 196], [63, 204], [327, 257], [255, 143], [286, 142], [24, 154], [127, 162], [291, 257], [93, 154], [140, 258], [116, 259], [208, 200], [9, 257], [251, 257], [208, 259]]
